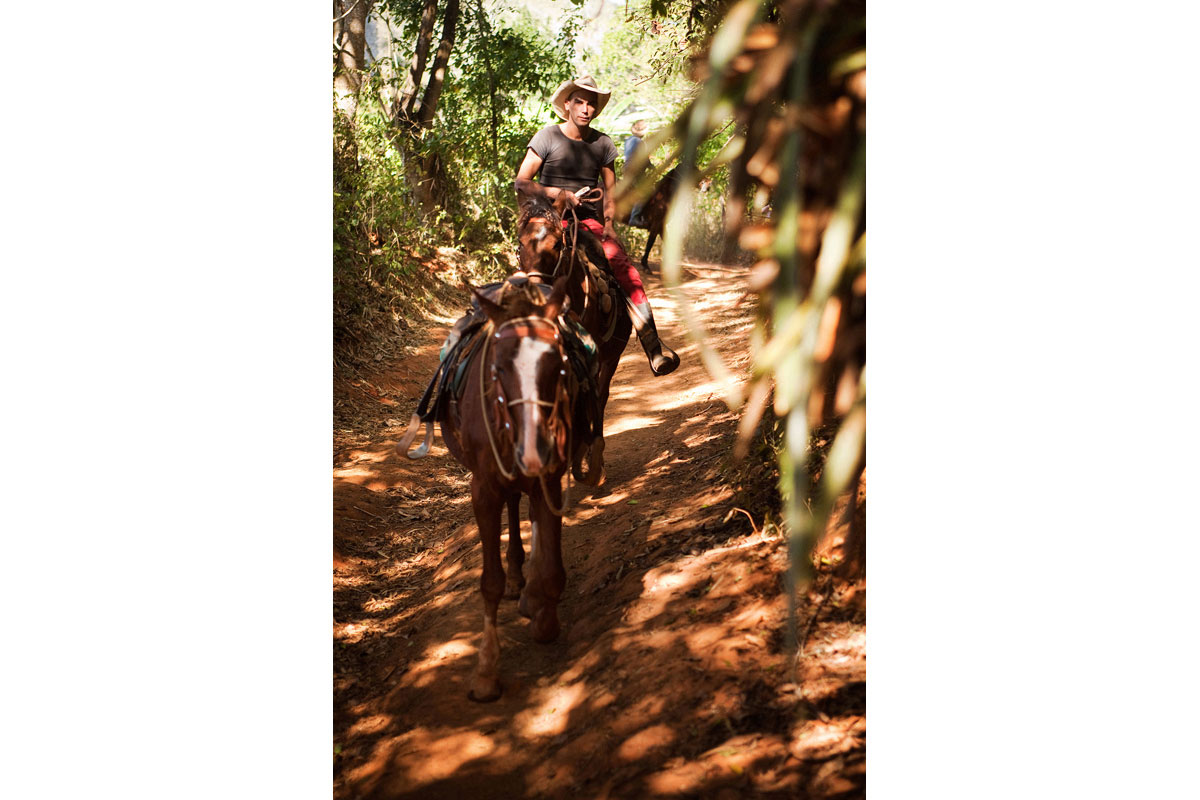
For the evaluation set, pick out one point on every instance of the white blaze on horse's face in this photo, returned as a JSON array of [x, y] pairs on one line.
[[531, 351]]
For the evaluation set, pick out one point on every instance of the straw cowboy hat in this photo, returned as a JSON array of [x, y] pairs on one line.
[[558, 100]]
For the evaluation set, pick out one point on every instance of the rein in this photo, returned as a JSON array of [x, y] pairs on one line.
[[574, 258], [574, 228], [553, 406]]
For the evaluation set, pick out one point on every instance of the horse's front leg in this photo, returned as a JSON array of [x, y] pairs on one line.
[[487, 500], [547, 578], [516, 552]]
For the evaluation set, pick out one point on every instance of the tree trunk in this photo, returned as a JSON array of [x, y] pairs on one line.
[[350, 47], [437, 72], [407, 101]]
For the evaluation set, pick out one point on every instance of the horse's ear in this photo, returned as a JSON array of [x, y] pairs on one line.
[[558, 296], [494, 312], [523, 196]]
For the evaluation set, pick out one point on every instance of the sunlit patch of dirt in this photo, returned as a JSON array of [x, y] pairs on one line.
[[676, 673]]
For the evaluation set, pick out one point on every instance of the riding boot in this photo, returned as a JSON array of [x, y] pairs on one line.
[[663, 360]]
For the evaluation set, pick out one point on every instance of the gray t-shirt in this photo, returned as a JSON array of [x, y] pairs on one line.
[[572, 165]]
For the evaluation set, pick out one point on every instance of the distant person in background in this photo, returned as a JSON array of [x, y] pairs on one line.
[[631, 146], [633, 142]]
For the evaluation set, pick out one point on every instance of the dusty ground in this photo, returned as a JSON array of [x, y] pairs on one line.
[[671, 678]]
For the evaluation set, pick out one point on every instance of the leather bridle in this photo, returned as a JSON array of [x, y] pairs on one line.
[[547, 331], [562, 250], [573, 227]]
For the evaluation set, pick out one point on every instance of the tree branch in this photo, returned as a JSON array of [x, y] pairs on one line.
[[437, 72], [347, 12], [407, 99]]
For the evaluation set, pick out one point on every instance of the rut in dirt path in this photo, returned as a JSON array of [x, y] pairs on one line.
[[670, 663]]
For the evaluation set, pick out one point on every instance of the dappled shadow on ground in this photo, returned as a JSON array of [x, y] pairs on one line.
[[671, 678]]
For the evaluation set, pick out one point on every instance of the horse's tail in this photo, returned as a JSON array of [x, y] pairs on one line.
[[414, 425]]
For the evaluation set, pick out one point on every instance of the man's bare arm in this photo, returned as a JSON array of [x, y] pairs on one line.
[[525, 182]]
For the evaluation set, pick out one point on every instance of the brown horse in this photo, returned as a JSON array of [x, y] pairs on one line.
[[654, 212], [549, 250], [511, 426]]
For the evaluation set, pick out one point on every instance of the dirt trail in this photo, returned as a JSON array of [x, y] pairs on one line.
[[671, 677]]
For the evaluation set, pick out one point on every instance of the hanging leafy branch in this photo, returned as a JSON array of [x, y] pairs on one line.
[[791, 78]]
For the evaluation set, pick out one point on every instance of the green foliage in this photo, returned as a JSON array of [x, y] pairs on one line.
[[643, 64], [492, 102], [706, 234], [680, 28], [375, 224]]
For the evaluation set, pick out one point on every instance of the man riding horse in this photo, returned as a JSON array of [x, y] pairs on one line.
[[570, 158]]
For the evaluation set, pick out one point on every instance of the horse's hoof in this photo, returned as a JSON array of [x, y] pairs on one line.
[[523, 607], [594, 478], [484, 691], [512, 589], [594, 475]]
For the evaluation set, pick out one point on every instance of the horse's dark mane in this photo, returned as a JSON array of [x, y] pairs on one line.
[[538, 206], [520, 298]]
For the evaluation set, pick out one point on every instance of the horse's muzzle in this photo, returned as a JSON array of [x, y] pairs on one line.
[[538, 460]]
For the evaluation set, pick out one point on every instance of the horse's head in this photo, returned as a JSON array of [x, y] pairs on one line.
[[528, 372], [539, 233]]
